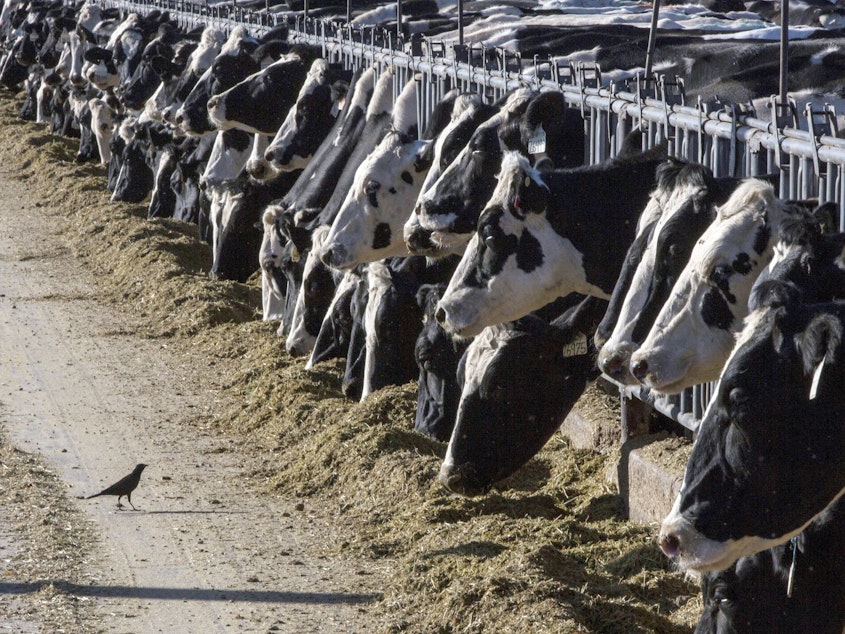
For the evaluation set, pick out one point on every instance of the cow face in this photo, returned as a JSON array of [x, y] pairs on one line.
[[469, 112], [229, 154], [393, 320], [500, 423], [368, 226], [102, 126], [308, 120], [449, 209], [312, 303], [693, 334], [766, 459], [336, 329], [259, 103], [232, 64], [100, 69], [273, 281], [685, 198], [437, 354], [514, 252]]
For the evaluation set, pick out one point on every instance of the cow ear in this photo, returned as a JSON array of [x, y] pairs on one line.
[[532, 196], [820, 341], [162, 66], [826, 215]]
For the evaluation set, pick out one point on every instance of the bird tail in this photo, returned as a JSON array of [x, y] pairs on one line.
[[92, 496]]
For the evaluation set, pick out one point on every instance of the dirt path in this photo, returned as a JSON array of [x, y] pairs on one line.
[[203, 553]]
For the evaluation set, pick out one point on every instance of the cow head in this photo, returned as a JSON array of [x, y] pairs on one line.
[[500, 423], [309, 119], [516, 262], [368, 226], [766, 459], [686, 194], [694, 332], [273, 281], [451, 206]]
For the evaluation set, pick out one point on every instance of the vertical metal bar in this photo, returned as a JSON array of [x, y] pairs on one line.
[[784, 49], [461, 22], [652, 36], [399, 18]]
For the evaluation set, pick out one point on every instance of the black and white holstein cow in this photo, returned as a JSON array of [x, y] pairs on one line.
[[501, 424], [693, 334], [448, 210], [376, 124], [544, 235], [368, 226], [438, 355], [468, 113], [767, 457], [686, 196], [318, 104], [259, 103], [286, 241], [233, 63]]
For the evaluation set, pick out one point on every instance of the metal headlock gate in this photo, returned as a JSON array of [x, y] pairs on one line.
[[731, 139]]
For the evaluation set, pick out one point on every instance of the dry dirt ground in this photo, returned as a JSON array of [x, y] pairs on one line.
[[271, 503]]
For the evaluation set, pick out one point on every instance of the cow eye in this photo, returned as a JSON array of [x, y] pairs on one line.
[[738, 398], [491, 237], [372, 187]]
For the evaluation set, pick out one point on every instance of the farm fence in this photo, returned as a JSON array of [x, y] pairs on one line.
[[732, 139]]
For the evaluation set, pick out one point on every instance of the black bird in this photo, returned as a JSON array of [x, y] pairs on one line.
[[124, 486]]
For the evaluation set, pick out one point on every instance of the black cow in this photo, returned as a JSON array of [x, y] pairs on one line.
[[767, 457], [501, 423]]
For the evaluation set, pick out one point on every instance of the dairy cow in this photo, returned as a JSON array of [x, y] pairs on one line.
[[309, 120], [500, 423], [544, 235], [437, 354], [231, 65], [755, 594], [757, 448], [687, 195], [259, 103], [693, 334]]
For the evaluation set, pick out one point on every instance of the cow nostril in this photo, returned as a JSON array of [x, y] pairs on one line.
[[179, 119], [611, 365], [670, 544], [440, 315], [326, 257], [639, 369], [212, 103], [269, 155], [418, 209]]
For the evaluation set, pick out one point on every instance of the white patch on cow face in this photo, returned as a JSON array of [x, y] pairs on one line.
[[300, 342], [379, 282], [700, 554], [269, 258], [388, 178], [477, 357], [681, 349], [256, 166], [620, 345], [224, 164], [102, 126]]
